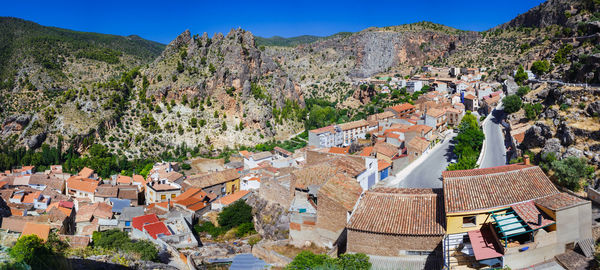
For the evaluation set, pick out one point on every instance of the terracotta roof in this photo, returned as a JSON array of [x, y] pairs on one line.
[[231, 198], [13, 224], [528, 212], [47, 180], [317, 174], [342, 189], [86, 172], [128, 193], [560, 201], [339, 150], [435, 112], [402, 107], [123, 179], [22, 180], [399, 211], [41, 230], [139, 179], [106, 191], [382, 165], [82, 185], [156, 228], [208, 180], [29, 197], [245, 153], [283, 151], [354, 124], [324, 129], [386, 149], [189, 193], [519, 137], [96, 210], [367, 151], [418, 128], [469, 96], [418, 144], [139, 222], [3, 183], [489, 188], [172, 176]]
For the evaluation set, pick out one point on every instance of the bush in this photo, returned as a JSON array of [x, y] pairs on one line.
[[245, 229], [540, 67], [308, 260], [468, 144], [118, 240], [523, 90], [520, 76], [185, 166], [31, 250], [512, 104], [236, 214], [210, 228], [532, 110], [570, 172]]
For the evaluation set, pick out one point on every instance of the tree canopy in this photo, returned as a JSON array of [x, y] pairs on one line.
[[308, 260], [468, 143], [520, 76], [512, 104]]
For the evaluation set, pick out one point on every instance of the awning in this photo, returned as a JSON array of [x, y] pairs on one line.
[[509, 224], [484, 244]]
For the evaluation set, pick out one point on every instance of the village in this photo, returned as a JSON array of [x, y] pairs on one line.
[[334, 193]]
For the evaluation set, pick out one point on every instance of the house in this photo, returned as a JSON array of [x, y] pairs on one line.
[[510, 215], [126, 216], [254, 159], [403, 110], [139, 222], [403, 227], [124, 180], [220, 183], [56, 169], [414, 86], [105, 192], [89, 215], [81, 187], [40, 181], [161, 190], [461, 86], [385, 151], [250, 182], [225, 201], [383, 169], [282, 153], [382, 117], [336, 200], [25, 170], [87, 173], [471, 103], [416, 147], [40, 230], [440, 87], [436, 118], [326, 136], [454, 116], [353, 131], [194, 200], [490, 102]]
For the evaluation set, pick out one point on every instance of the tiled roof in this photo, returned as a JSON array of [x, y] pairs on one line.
[[139, 179], [399, 211], [324, 129], [231, 198], [283, 151], [560, 201], [82, 185], [106, 191], [382, 165], [76, 241], [125, 192], [28, 198], [386, 149], [339, 150], [424, 128], [318, 173], [22, 180], [262, 155], [139, 222], [13, 224], [354, 124], [528, 212], [86, 172], [123, 179], [435, 112], [96, 210], [367, 151], [489, 188], [41, 230], [342, 189], [156, 228], [402, 107], [419, 144], [245, 153], [208, 180]]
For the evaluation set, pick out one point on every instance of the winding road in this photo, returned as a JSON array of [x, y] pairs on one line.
[[495, 150]]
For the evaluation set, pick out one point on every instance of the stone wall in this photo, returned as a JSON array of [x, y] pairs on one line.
[[275, 190], [331, 216], [390, 245]]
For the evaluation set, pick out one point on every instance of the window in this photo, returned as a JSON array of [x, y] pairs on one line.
[[470, 221], [172, 196], [127, 223], [162, 197]]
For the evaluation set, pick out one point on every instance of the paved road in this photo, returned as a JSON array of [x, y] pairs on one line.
[[428, 174], [495, 151]]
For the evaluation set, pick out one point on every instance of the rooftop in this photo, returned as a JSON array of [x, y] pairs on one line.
[[208, 180], [489, 188], [41, 230], [560, 201], [399, 211], [342, 189]]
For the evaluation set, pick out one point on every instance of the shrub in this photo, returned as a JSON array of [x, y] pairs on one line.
[[520, 76], [540, 67], [210, 228], [118, 240], [235, 214], [569, 172], [309, 260], [512, 104], [245, 229], [523, 90]]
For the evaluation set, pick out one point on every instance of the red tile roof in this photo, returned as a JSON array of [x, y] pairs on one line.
[[156, 228], [560, 201], [41, 230], [123, 179], [139, 222], [399, 211], [366, 151], [528, 212], [339, 150], [403, 107], [342, 189], [496, 187], [382, 165], [82, 185], [386, 149], [231, 198], [86, 172]]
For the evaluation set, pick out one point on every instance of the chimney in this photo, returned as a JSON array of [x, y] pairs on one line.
[[539, 219], [526, 160], [169, 204]]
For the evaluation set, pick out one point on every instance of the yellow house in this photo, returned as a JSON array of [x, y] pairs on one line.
[[491, 211], [220, 183]]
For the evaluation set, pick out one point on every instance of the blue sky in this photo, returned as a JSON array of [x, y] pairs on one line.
[[163, 20]]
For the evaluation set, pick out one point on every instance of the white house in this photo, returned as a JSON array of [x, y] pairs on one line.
[[253, 160], [413, 86], [328, 136]]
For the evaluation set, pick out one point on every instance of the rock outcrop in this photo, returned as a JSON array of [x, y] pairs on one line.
[[271, 220], [537, 135]]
